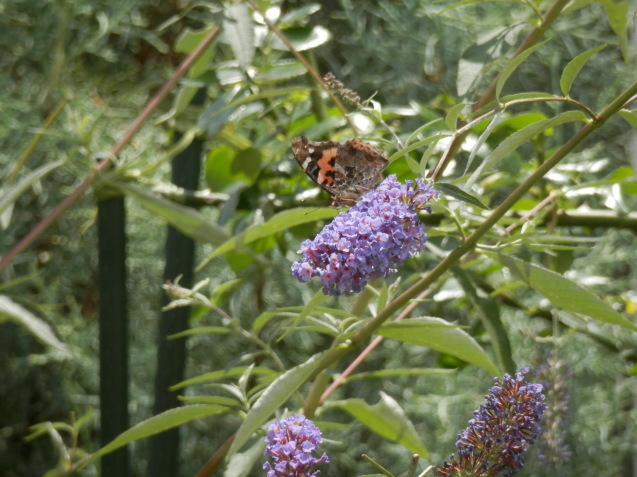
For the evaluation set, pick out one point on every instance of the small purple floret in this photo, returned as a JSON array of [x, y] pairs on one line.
[[292, 442], [501, 430], [368, 241]]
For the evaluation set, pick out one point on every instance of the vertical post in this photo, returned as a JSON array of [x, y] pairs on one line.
[[113, 332], [171, 354]]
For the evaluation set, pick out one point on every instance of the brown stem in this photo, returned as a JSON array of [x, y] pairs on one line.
[[305, 63], [103, 165], [489, 94]]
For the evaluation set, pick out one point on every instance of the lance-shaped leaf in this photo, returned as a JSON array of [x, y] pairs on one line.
[[39, 328], [440, 335], [277, 223], [274, 397], [572, 69], [387, 419], [156, 424], [563, 292]]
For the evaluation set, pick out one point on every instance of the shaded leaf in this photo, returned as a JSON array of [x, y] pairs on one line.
[[298, 14], [511, 66], [156, 424], [227, 169], [617, 14], [452, 116], [572, 69], [10, 193], [39, 328], [185, 219], [518, 138], [489, 314], [457, 193], [563, 292]]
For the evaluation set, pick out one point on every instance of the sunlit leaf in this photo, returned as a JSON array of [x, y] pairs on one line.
[[387, 419], [563, 292], [282, 71], [303, 38], [275, 396], [277, 223], [238, 30], [440, 335], [630, 117], [156, 424]]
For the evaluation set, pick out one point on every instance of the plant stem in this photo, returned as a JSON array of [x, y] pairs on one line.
[[470, 242], [105, 163]]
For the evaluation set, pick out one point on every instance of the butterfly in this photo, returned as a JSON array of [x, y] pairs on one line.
[[345, 171]]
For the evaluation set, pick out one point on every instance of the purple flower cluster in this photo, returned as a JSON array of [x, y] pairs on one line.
[[501, 430], [369, 240], [292, 442]]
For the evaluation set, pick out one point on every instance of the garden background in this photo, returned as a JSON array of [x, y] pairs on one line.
[[520, 113]]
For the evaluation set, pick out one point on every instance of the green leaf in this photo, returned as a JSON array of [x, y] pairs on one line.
[[518, 138], [156, 424], [452, 116], [572, 69], [36, 326], [238, 30], [277, 223], [511, 66], [489, 314], [303, 38], [241, 464], [284, 70], [457, 193], [440, 335], [388, 373], [185, 219], [416, 145], [187, 42], [223, 374], [387, 419], [228, 169], [9, 194], [564, 293], [274, 397], [630, 117], [298, 14], [201, 330], [617, 14], [318, 298]]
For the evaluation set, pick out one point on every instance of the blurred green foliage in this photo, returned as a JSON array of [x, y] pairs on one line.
[[417, 62]]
